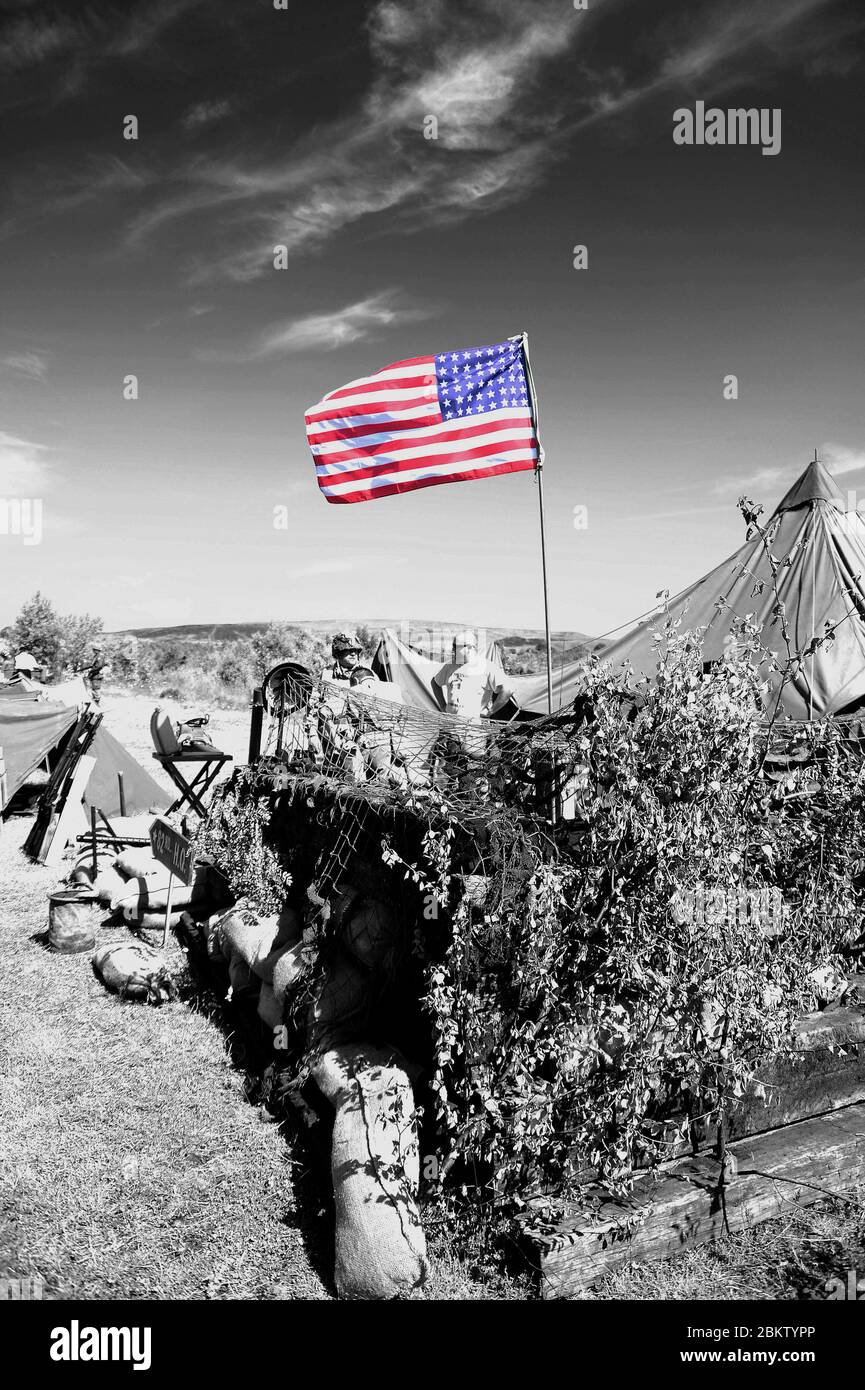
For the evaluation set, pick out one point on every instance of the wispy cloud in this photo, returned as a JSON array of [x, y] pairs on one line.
[[839, 459], [29, 364], [205, 113], [84, 36], [769, 483], [761, 482], [509, 86], [22, 467], [476, 70], [322, 332]]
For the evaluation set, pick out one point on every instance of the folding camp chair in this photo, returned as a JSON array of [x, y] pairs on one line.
[[175, 756]]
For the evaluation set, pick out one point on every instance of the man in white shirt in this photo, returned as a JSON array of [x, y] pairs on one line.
[[469, 687]]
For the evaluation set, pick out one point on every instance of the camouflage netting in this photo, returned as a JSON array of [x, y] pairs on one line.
[[356, 785]]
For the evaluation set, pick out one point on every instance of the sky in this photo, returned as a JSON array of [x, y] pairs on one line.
[[304, 127]]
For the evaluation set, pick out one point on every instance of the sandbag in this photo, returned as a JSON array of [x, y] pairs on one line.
[[268, 1009], [108, 882], [150, 894], [286, 969], [375, 1167], [151, 919], [134, 971], [259, 941], [214, 942], [139, 863]]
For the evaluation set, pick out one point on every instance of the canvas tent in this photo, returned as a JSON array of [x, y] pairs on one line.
[[823, 583], [32, 729], [413, 673], [29, 730]]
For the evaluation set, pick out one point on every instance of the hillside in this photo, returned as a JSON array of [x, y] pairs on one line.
[[229, 632]]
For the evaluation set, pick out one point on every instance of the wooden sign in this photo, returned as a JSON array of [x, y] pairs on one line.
[[172, 849]]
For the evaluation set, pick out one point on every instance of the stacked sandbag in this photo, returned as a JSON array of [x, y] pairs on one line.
[[263, 954], [139, 889], [375, 1167]]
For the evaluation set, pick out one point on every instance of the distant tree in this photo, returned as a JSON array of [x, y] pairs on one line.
[[55, 641], [122, 651], [84, 642], [235, 666], [39, 629], [285, 642]]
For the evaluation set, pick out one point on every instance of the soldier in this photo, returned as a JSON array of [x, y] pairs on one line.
[[346, 651]]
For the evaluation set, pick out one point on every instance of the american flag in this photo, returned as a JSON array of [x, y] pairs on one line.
[[427, 420]]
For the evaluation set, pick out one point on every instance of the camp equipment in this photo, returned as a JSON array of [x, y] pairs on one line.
[[173, 756], [71, 919]]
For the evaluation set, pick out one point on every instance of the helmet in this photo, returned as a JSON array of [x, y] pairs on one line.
[[362, 673], [344, 642], [25, 662]]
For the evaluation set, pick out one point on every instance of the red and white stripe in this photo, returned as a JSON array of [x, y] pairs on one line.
[[386, 434]]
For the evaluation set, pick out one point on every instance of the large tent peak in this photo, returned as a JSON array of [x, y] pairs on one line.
[[816, 484]]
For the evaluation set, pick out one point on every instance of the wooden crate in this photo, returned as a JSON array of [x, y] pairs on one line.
[[801, 1140]]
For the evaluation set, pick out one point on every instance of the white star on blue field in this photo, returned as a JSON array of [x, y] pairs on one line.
[[480, 379]]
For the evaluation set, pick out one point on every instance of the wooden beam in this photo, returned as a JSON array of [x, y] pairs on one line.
[[69, 817], [682, 1205]]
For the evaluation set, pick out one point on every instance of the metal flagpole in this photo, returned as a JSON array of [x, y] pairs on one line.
[[539, 474], [813, 599]]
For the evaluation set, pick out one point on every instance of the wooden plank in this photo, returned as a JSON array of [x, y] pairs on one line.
[[823, 1070], [681, 1206], [71, 818]]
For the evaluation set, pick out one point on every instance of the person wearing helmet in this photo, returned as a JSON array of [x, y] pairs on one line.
[[346, 652], [24, 671], [25, 664]]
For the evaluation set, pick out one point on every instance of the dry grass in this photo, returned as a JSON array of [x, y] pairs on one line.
[[133, 1163]]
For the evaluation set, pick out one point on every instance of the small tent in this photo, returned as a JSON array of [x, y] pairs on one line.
[[33, 729], [30, 729], [822, 581]]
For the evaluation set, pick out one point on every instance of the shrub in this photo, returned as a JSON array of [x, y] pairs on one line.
[[593, 1016], [55, 641], [233, 838]]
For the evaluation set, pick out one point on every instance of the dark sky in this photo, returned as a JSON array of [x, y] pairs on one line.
[[304, 127]]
